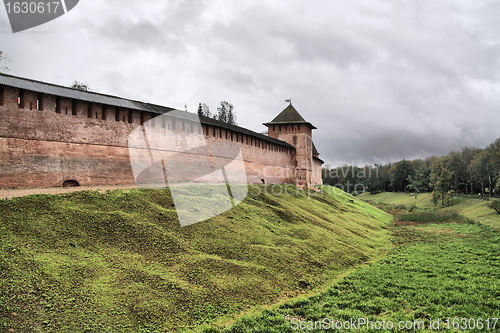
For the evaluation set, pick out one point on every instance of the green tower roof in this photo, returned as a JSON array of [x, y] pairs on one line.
[[289, 116], [315, 150]]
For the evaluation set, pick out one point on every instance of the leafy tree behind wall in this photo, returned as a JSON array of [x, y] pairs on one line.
[[204, 110], [80, 86], [225, 113], [4, 60]]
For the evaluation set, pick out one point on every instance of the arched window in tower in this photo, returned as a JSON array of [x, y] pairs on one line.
[[294, 140]]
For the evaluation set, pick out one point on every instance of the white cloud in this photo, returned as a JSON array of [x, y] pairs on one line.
[[382, 80]]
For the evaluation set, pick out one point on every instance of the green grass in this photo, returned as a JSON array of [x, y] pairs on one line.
[[472, 208], [423, 200], [118, 261], [427, 217], [446, 270]]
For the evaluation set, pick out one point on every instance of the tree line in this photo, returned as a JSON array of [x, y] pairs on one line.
[[469, 171]]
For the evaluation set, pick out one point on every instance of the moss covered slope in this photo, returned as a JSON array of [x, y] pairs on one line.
[[118, 261]]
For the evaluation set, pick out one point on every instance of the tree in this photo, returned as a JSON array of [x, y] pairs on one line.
[[225, 113], [377, 181], [480, 169], [4, 59], [442, 180], [494, 149], [494, 162], [80, 86], [459, 169], [468, 155], [399, 173], [495, 204], [421, 181], [497, 187], [231, 117], [204, 110]]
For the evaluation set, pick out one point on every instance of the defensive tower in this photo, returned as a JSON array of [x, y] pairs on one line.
[[291, 127]]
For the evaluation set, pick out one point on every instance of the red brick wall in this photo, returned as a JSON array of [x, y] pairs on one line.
[[317, 177], [274, 130], [10, 97], [266, 164], [45, 148], [31, 163], [305, 172]]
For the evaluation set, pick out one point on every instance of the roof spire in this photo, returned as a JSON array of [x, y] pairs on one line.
[[289, 116], [289, 101]]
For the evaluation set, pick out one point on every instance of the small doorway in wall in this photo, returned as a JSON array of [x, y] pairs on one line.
[[263, 181], [70, 183]]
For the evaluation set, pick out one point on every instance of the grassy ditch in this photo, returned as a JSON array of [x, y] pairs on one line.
[[472, 208], [436, 217], [448, 271]]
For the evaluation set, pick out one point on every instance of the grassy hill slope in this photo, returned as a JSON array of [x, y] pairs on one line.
[[445, 274], [118, 261], [473, 208]]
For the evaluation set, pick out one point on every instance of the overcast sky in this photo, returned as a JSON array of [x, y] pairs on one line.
[[381, 80]]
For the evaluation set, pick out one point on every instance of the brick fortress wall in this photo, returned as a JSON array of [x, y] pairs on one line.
[[46, 140]]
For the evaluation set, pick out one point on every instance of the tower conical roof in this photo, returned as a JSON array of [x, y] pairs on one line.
[[315, 150], [289, 116]]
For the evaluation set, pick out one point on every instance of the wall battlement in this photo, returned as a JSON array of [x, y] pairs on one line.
[[47, 139]]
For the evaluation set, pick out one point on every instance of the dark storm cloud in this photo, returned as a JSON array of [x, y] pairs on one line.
[[382, 80], [390, 145], [163, 27]]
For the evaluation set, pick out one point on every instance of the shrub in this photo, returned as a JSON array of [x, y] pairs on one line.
[[495, 204], [412, 208]]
